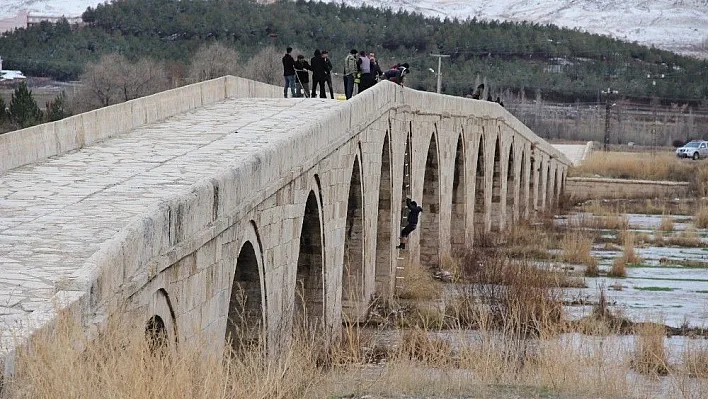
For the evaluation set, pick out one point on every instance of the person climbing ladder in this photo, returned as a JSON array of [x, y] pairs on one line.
[[413, 211]]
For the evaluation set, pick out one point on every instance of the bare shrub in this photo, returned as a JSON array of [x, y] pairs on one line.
[[266, 66], [649, 350], [518, 297], [114, 79], [212, 61]]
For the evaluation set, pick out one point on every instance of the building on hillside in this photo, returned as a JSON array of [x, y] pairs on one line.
[[38, 19], [25, 19], [12, 23]]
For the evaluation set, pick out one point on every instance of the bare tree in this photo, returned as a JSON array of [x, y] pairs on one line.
[[114, 79], [212, 61], [266, 66]]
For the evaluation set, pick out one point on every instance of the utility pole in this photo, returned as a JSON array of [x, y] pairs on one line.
[[608, 106], [439, 72]]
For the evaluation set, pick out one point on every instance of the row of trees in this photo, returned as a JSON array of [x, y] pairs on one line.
[[114, 79], [511, 55], [23, 110]]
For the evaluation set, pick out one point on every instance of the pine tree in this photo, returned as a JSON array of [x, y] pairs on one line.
[[56, 109], [3, 111], [23, 109]]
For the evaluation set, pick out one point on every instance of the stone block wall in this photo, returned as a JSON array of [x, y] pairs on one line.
[[281, 214]]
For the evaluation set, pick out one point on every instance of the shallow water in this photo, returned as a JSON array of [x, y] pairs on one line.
[[659, 289]]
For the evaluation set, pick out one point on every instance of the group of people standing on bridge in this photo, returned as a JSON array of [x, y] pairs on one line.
[[360, 69]]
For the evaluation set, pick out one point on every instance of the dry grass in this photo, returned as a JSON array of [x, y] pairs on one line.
[[120, 362], [630, 256], [621, 165], [619, 267], [695, 360], [649, 351], [667, 223], [419, 284], [656, 206], [576, 248], [687, 238], [701, 217]]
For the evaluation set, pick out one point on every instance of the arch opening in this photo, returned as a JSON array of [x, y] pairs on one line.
[[479, 188], [353, 267], [511, 182], [384, 224], [548, 203], [523, 192], [244, 326], [156, 334], [430, 228], [309, 281], [459, 216], [496, 186], [556, 187]]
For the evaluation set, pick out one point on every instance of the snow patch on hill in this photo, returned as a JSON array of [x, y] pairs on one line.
[[677, 25]]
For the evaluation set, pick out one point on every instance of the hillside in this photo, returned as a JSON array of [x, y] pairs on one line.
[[680, 26], [562, 64]]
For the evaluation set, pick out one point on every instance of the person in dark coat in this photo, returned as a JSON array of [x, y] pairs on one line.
[[413, 211], [328, 72], [319, 75], [303, 77], [376, 71], [289, 72]]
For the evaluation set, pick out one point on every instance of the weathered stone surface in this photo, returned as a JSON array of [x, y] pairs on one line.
[[234, 204]]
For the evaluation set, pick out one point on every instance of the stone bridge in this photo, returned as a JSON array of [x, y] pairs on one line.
[[220, 208]]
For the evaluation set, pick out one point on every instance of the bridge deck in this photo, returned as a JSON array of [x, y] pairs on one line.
[[55, 214]]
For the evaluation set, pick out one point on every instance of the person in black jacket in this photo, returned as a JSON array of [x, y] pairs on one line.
[[289, 72], [319, 76], [413, 211], [303, 77], [328, 72], [376, 71]]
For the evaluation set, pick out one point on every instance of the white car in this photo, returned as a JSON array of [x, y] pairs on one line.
[[694, 149]]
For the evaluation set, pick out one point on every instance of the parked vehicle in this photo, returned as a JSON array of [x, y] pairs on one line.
[[695, 149]]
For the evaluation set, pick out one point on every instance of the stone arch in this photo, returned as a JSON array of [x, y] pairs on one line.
[[511, 182], [244, 326], [384, 223], [309, 282], [496, 185], [523, 184], [459, 209], [430, 229], [479, 187], [353, 267]]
